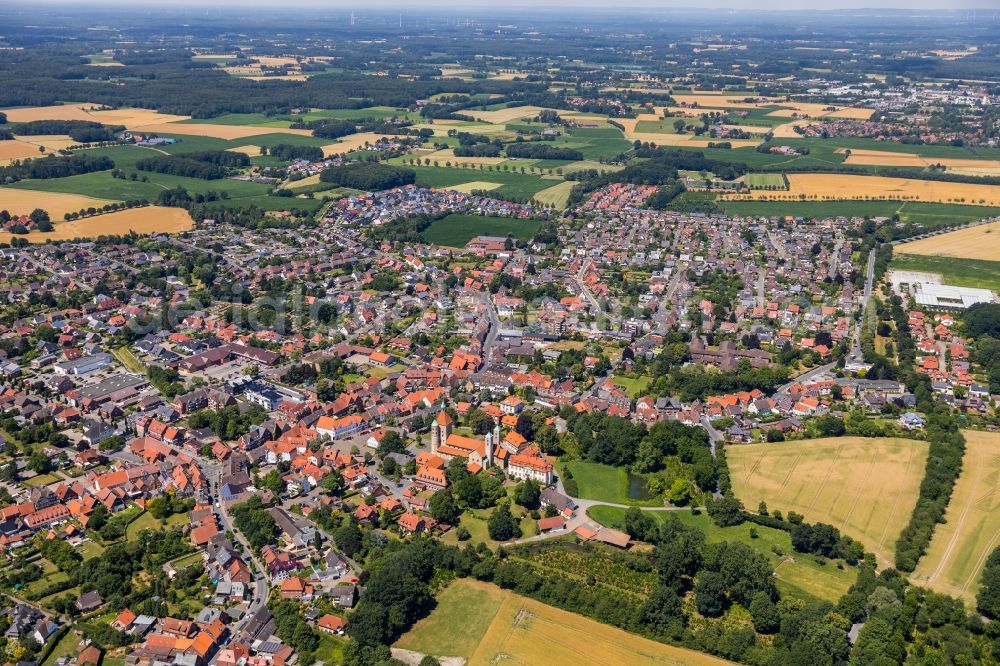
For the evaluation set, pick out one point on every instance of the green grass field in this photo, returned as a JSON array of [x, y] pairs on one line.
[[760, 181], [634, 386], [605, 483], [962, 273], [512, 184], [457, 606], [798, 575], [103, 185], [458, 229]]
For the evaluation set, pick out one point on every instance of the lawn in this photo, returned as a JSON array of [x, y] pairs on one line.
[[65, 647], [634, 386], [605, 483], [476, 522], [866, 488], [468, 604], [331, 649], [958, 550], [798, 575], [964, 273], [89, 549], [509, 628], [41, 480], [458, 229]]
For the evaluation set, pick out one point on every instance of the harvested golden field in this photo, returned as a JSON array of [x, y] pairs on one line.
[[249, 149], [305, 182], [814, 110], [22, 202], [475, 185], [504, 115], [787, 131], [958, 550], [130, 118], [54, 112], [890, 158], [350, 142], [715, 101], [448, 155], [866, 488], [287, 77], [18, 150], [500, 627], [147, 220], [832, 187], [979, 242]]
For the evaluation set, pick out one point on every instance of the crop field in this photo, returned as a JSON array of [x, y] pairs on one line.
[[958, 550], [897, 159], [22, 202], [486, 625], [512, 184], [557, 195], [849, 186], [504, 115], [979, 242], [762, 180], [798, 575], [475, 185], [349, 143], [19, 149], [130, 118], [966, 273], [864, 487], [457, 229], [146, 220]]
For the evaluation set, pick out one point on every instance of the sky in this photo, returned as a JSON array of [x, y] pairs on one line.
[[598, 4]]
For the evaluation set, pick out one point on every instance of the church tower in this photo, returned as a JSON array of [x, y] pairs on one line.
[[440, 430]]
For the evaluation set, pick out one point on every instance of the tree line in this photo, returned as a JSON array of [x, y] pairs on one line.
[[206, 164], [54, 167], [368, 176]]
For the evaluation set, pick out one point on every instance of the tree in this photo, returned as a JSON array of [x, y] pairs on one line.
[[528, 494], [764, 613], [392, 442], [348, 537], [663, 612], [679, 492], [640, 525], [501, 525], [726, 511], [332, 483], [988, 599], [710, 594], [444, 509]]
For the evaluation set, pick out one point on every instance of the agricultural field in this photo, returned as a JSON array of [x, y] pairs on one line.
[[556, 196], [103, 185], [866, 488], [759, 181], [982, 167], [966, 273], [458, 229], [978, 242], [506, 627], [958, 550], [802, 576], [804, 186], [22, 202], [145, 220], [475, 185], [130, 118]]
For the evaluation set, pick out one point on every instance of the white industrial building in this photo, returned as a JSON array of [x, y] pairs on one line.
[[946, 296]]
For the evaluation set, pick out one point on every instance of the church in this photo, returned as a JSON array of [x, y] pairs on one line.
[[512, 453]]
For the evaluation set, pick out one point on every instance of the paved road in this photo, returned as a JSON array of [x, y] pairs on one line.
[[805, 377]]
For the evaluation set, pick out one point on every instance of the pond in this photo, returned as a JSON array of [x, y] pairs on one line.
[[638, 487]]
